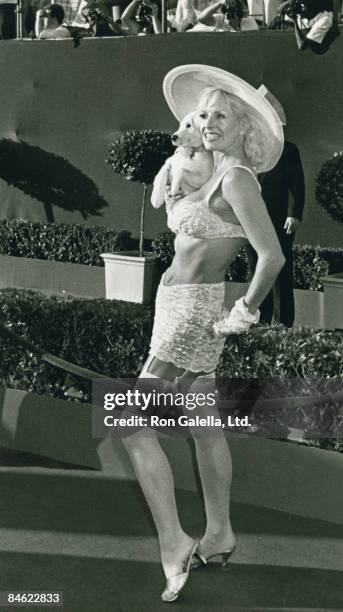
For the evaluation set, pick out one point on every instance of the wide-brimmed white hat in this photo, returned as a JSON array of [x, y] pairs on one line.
[[183, 85]]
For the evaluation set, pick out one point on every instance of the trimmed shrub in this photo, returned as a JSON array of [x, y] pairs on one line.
[[239, 271], [329, 187], [309, 268], [81, 244], [138, 155], [275, 352], [331, 255], [109, 337], [163, 247], [112, 338], [307, 360], [310, 263]]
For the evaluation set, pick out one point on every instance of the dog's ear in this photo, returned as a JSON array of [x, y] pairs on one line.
[[195, 119], [160, 186], [190, 118]]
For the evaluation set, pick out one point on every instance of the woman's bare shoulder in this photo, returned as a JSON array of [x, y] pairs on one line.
[[241, 180]]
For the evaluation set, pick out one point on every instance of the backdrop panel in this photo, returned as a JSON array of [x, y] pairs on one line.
[[61, 106]]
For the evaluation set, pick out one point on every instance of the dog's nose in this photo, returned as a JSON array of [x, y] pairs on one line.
[[174, 137]]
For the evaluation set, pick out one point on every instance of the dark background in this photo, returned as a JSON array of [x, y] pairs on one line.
[[70, 102]]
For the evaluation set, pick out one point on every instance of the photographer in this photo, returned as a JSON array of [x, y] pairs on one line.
[[313, 23], [94, 16], [49, 23], [141, 17], [224, 16]]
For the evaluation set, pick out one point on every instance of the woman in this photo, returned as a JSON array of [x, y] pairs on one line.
[[225, 16], [211, 225], [142, 17]]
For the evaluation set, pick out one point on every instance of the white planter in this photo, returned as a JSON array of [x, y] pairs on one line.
[[333, 301], [129, 277], [309, 308]]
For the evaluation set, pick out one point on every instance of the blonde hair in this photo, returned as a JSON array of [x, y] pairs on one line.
[[253, 137]]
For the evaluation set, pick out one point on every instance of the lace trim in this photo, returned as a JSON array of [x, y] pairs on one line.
[[196, 219]]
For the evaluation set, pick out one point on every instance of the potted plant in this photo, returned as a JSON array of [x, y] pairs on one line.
[[329, 194], [309, 269], [137, 155]]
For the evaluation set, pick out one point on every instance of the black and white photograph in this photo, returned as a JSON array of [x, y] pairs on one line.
[[171, 305]]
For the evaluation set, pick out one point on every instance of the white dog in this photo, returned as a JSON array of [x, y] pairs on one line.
[[188, 169]]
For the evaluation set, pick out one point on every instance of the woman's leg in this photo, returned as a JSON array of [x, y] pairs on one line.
[[156, 480], [215, 470]]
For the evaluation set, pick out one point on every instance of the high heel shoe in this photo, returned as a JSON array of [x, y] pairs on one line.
[[199, 560], [176, 583]]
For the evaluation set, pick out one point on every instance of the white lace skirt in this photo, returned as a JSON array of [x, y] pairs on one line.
[[182, 332]]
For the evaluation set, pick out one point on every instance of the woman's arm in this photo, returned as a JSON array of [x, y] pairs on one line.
[[206, 16], [39, 23], [128, 17], [156, 24], [241, 191]]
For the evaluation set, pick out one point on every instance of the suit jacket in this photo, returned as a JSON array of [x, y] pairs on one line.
[[284, 180]]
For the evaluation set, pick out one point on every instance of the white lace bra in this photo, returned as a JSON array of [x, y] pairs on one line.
[[196, 218]]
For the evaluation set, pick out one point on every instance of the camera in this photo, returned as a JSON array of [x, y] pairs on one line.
[[144, 12], [294, 9], [94, 14]]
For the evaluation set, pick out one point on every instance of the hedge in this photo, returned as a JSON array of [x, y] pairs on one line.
[[329, 193], [109, 337], [112, 338], [311, 263], [81, 244], [163, 247]]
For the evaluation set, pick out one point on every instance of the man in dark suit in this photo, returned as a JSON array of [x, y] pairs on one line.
[[283, 190]]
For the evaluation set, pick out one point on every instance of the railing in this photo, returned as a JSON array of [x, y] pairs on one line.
[[19, 18]]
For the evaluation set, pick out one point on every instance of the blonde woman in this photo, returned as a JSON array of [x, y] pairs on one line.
[[244, 131]]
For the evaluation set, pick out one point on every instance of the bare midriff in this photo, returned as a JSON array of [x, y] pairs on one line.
[[201, 260]]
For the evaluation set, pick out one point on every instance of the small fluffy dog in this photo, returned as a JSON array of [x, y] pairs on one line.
[[188, 169]]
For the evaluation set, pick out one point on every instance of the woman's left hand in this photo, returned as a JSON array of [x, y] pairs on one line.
[[237, 321], [230, 325]]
